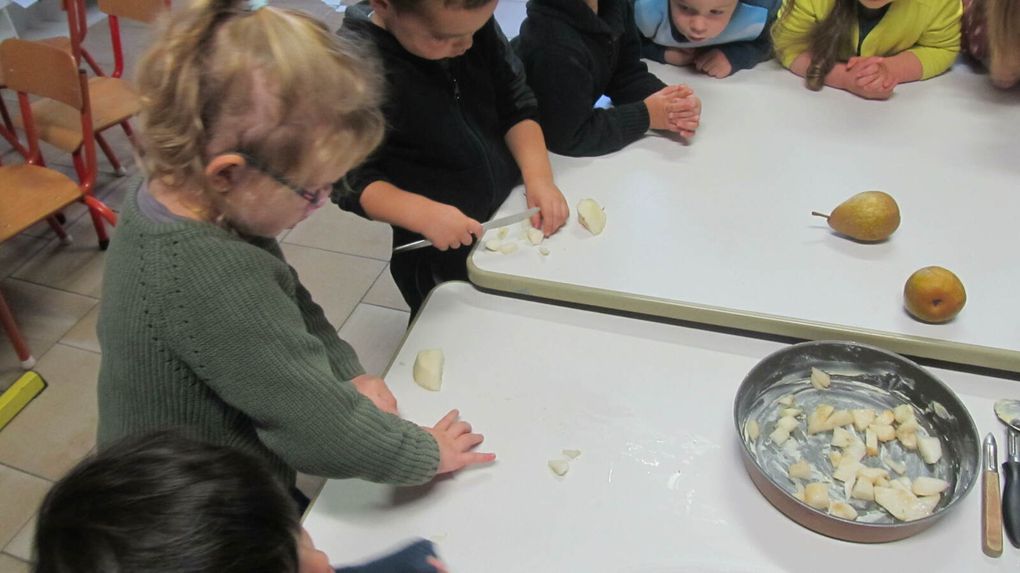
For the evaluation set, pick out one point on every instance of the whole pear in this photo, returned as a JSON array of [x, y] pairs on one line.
[[934, 294], [869, 216]]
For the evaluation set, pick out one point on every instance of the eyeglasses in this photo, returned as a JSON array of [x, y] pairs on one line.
[[316, 197]]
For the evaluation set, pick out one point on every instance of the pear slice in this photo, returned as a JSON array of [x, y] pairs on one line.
[[428, 369], [591, 216], [870, 217]]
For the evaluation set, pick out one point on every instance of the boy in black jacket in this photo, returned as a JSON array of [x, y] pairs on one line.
[[461, 133], [574, 51]]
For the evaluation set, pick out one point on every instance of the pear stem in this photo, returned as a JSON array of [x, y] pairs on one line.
[[817, 214]]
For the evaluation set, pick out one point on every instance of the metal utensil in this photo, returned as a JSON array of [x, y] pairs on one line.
[[486, 226], [991, 509], [1009, 412]]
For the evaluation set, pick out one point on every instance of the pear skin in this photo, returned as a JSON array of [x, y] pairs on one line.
[[870, 216], [934, 295]]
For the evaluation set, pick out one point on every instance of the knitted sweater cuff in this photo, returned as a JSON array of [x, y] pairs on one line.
[[634, 120]]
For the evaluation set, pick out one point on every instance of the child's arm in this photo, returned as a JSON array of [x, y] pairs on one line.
[[652, 51], [527, 144], [790, 33], [939, 45], [631, 81], [746, 55], [445, 225]]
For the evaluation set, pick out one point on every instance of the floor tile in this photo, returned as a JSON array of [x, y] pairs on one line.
[[385, 293], [83, 334], [16, 251], [335, 230], [58, 427], [22, 494], [375, 333], [43, 314], [21, 545], [76, 268], [9, 564], [337, 281]]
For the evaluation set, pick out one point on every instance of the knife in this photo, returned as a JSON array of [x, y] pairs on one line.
[[991, 509], [486, 226], [1011, 491]]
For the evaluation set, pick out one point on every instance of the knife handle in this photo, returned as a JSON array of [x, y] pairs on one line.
[[991, 515], [1011, 502]]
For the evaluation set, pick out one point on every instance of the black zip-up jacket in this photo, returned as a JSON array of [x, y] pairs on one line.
[[572, 57], [445, 122]]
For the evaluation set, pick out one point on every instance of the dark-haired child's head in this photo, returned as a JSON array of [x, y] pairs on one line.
[[433, 29], [700, 20], [167, 504]]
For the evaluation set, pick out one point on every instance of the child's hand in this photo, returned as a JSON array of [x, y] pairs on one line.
[[448, 228], [455, 442], [376, 390], [870, 77], [553, 209], [679, 56], [685, 115], [664, 102], [714, 63]]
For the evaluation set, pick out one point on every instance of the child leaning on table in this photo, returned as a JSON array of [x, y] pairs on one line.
[[574, 51], [991, 36], [867, 47], [163, 503], [717, 37], [248, 118], [461, 133]]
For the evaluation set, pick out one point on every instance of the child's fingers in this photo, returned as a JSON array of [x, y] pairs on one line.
[[459, 428], [472, 458], [468, 441], [447, 420]]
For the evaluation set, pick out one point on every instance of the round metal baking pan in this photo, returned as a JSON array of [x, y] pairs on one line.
[[862, 377]]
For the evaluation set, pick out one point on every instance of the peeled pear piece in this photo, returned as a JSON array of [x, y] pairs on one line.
[[591, 216], [428, 369], [870, 216]]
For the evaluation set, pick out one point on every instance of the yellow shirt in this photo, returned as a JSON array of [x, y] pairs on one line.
[[930, 29]]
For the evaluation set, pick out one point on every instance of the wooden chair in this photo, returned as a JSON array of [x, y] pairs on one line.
[[7, 128], [31, 192], [114, 100]]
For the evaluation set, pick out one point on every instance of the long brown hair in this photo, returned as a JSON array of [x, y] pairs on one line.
[[273, 81], [1003, 20], [826, 40]]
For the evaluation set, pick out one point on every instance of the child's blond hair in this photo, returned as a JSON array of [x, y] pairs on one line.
[[273, 82]]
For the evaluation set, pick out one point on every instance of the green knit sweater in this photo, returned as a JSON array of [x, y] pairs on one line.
[[213, 334]]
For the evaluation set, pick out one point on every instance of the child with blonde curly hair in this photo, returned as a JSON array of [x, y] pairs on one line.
[[249, 117]]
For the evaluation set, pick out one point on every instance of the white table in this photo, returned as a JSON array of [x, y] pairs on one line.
[[720, 231], [659, 485]]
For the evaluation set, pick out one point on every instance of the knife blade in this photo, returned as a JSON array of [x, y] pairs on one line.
[[991, 509], [486, 226], [1011, 490]]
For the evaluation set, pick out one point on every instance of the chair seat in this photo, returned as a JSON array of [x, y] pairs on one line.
[[113, 100], [29, 194]]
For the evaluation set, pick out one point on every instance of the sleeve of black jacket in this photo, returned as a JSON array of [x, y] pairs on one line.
[[563, 84], [746, 55], [631, 81], [652, 51], [514, 99]]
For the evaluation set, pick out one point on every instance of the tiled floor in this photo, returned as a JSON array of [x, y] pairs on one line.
[[54, 291]]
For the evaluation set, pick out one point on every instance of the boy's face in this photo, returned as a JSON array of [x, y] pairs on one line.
[[700, 20], [432, 30]]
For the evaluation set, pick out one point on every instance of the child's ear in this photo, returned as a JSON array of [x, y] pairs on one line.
[[381, 6], [222, 171]]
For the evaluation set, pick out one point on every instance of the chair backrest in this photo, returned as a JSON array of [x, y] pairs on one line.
[[41, 70], [32, 68], [139, 10]]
